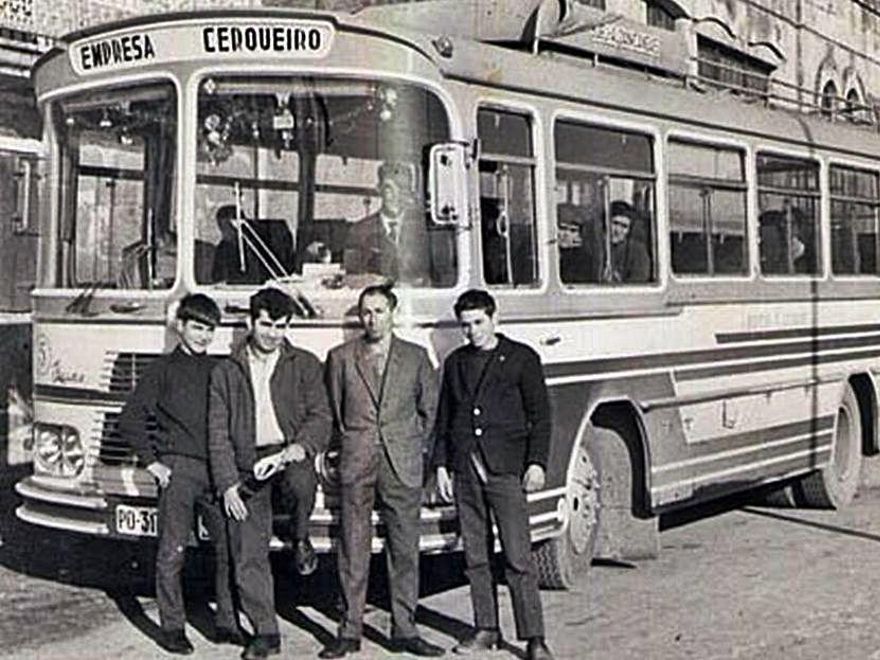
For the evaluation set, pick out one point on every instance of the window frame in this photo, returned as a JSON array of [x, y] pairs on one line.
[[820, 197], [537, 163], [658, 253], [55, 274], [865, 169], [745, 186]]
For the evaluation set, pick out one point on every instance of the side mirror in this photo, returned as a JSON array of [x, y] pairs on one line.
[[447, 184]]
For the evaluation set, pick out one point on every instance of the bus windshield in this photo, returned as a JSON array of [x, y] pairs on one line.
[[317, 180], [117, 151]]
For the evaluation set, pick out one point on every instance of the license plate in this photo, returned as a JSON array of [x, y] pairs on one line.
[[137, 520]]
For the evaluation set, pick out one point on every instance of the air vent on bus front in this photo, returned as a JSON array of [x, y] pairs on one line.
[[114, 450], [124, 370]]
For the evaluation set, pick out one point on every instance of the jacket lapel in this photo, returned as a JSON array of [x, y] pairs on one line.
[[493, 368], [362, 364], [392, 366]]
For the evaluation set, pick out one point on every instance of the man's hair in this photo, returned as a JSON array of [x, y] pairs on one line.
[[198, 307], [278, 305], [475, 299], [620, 207], [385, 290]]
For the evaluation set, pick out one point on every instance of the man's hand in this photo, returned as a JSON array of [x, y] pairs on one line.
[[294, 453], [234, 505], [534, 478], [444, 484], [161, 473]]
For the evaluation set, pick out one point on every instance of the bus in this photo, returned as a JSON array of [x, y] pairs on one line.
[[698, 273]]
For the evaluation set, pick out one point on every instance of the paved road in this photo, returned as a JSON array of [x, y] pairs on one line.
[[739, 581]]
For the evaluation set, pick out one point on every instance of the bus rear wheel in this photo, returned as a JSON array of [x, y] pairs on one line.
[[561, 560], [835, 485]]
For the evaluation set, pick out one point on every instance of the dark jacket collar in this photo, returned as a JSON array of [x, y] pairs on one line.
[[240, 352]]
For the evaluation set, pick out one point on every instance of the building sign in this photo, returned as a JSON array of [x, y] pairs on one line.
[[625, 38], [211, 40]]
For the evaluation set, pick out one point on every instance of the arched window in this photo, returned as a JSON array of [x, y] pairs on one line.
[[663, 13], [854, 106], [828, 102]]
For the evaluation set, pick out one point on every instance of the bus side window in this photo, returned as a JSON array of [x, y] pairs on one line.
[[855, 235], [605, 201], [707, 209], [788, 221], [507, 207]]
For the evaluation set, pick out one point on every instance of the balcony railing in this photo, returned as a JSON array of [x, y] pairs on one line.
[[773, 92]]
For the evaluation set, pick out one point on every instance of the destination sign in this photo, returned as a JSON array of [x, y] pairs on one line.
[[208, 40]]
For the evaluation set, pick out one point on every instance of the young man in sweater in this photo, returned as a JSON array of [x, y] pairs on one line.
[[173, 395]]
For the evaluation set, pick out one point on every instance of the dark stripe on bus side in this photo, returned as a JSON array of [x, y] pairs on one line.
[[771, 365], [821, 442], [660, 360], [793, 333], [759, 473], [65, 394], [757, 436]]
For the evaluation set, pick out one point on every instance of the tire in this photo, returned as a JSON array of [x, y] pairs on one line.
[[559, 561], [835, 485]]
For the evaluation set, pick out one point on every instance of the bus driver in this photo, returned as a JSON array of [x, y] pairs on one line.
[[391, 242]]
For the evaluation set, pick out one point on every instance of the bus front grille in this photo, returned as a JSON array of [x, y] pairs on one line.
[[113, 449], [123, 370]]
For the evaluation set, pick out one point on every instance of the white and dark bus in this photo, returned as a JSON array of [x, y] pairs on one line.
[[700, 275]]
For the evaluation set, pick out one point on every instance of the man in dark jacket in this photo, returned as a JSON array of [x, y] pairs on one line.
[[392, 242], [172, 398], [493, 433], [269, 397]]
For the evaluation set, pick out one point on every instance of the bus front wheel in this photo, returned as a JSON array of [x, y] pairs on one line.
[[560, 560], [835, 485]]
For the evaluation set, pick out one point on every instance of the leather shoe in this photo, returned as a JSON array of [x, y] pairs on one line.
[[481, 640], [176, 642], [262, 646], [416, 646], [224, 635], [339, 647], [305, 557], [537, 650]]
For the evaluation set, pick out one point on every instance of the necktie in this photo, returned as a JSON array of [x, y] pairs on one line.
[[392, 232]]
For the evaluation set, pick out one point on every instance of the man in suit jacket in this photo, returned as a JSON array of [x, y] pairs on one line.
[[493, 433], [383, 394], [392, 242]]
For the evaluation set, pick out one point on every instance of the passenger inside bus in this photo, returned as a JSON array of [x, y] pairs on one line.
[[392, 242], [630, 261], [578, 244], [786, 245]]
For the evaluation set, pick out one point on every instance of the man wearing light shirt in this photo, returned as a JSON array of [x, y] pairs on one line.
[[269, 397]]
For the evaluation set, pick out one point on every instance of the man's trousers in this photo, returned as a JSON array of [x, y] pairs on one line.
[[399, 507], [188, 489], [503, 495]]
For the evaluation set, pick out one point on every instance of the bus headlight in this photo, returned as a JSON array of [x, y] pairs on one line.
[[58, 450]]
